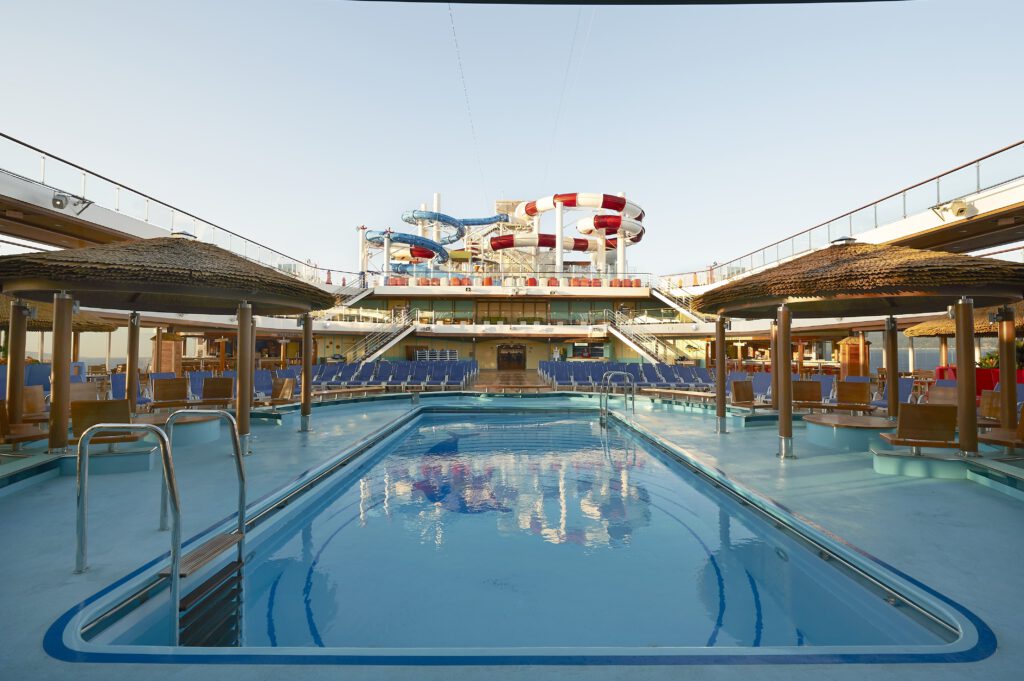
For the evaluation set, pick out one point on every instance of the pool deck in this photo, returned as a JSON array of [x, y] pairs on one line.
[[958, 537]]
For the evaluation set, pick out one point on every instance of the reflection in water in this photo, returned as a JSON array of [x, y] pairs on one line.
[[563, 481]]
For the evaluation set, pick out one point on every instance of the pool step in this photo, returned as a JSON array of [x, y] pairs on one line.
[[203, 554], [211, 614]]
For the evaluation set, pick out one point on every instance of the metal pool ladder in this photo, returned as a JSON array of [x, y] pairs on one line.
[[227, 581], [604, 390]]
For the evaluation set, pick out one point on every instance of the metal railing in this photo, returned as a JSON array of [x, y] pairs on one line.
[[999, 167], [380, 334], [606, 386], [170, 483], [38, 166], [513, 280], [652, 345]]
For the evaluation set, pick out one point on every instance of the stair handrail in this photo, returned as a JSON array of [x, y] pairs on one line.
[[170, 483], [603, 396], [370, 343], [658, 348]]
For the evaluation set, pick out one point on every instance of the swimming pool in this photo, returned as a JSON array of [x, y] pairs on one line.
[[541, 536]]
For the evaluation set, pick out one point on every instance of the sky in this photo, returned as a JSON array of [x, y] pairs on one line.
[[292, 122]]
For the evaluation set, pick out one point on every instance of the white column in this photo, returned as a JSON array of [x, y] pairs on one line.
[[421, 226], [536, 234], [110, 338], [911, 364], [364, 249], [437, 225], [42, 336], [559, 225], [620, 249], [387, 254], [601, 257]]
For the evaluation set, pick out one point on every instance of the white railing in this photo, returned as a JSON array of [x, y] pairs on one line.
[[1001, 166], [40, 167]]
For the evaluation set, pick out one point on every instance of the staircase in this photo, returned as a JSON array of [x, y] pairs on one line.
[[646, 344], [382, 337], [351, 294], [683, 304]]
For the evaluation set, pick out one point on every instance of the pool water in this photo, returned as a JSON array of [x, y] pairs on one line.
[[545, 530]]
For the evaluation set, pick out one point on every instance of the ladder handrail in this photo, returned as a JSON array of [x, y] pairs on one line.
[[236, 446], [603, 397], [170, 483]]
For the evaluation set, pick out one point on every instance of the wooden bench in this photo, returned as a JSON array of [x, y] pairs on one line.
[[17, 433], [282, 392], [742, 395], [87, 413], [854, 397], [338, 392], [807, 395], [683, 395], [1006, 437], [924, 425], [941, 395]]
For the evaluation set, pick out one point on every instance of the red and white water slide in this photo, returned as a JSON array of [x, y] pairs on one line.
[[628, 222]]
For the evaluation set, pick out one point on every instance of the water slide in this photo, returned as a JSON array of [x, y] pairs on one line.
[[420, 247], [629, 221]]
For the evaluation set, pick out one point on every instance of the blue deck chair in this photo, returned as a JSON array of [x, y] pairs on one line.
[[654, 378], [456, 377], [195, 383], [38, 374], [118, 389], [828, 385], [702, 375], [581, 377], [420, 371], [905, 392], [762, 383], [382, 374], [687, 378], [262, 383], [400, 374], [562, 376], [947, 383], [437, 374], [858, 379], [362, 375]]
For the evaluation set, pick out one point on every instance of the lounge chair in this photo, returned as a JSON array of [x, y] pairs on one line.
[[169, 393], [217, 391], [807, 395], [87, 413], [924, 425], [16, 433], [1006, 437], [282, 393]]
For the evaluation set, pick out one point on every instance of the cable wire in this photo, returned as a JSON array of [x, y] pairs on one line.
[[469, 109]]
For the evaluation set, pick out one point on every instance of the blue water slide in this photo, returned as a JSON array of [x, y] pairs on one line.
[[376, 237], [458, 224]]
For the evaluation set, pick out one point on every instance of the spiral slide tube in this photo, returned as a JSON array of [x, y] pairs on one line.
[[629, 221], [422, 247]]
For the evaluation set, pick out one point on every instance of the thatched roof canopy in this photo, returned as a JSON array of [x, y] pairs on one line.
[[944, 326], [43, 321], [855, 279], [169, 274]]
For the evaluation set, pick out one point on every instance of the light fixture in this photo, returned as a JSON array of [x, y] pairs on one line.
[[60, 201], [843, 241]]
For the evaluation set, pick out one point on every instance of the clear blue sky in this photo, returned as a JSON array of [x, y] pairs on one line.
[[293, 122]]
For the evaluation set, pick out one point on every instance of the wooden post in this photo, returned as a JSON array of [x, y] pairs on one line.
[[243, 373], [131, 383], [785, 403], [800, 358], [158, 346], [76, 345], [862, 354], [1007, 368], [773, 351], [223, 343], [966, 379], [720, 376], [307, 371], [60, 374], [943, 351], [283, 342], [16, 341], [892, 369]]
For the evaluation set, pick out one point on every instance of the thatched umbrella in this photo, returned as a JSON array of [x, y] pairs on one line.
[[170, 274], [42, 320], [983, 323], [852, 279]]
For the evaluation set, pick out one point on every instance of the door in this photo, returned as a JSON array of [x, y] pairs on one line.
[[511, 357]]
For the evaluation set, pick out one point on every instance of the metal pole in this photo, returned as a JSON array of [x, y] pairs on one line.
[[307, 371], [911, 359], [60, 376], [966, 379], [943, 351], [131, 383], [720, 376], [785, 403], [773, 355], [1007, 368], [892, 369], [559, 227], [243, 373], [16, 338]]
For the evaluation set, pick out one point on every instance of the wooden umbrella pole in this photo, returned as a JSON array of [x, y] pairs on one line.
[[720, 377], [131, 383], [60, 382], [966, 378], [243, 373], [1007, 368], [307, 371], [785, 402], [892, 369], [862, 355], [774, 352], [943, 351], [17, 337]]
